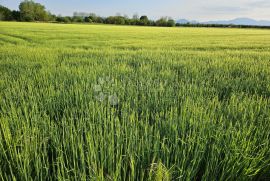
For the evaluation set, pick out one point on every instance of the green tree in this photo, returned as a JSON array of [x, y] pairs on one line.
[[99, 19], [51, 17], [77, 19], [87, 20], [31, 11], [16, 15], [65, 19], [162, 21], [171, 23], [5, 14], [119, 20], [93, 17], [144, 20]]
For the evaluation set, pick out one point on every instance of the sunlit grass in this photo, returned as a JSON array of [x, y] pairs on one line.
[[100, 102]]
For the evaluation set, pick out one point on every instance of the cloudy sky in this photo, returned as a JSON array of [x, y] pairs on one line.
[[202, 10]]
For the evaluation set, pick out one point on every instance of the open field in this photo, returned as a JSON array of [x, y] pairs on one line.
[[97, 102]]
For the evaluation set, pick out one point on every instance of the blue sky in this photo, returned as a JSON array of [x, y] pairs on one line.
[[190, 9]]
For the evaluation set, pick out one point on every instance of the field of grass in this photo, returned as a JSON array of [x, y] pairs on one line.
[[100, 102]]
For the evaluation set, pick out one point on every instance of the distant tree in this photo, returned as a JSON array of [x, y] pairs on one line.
[[93, 17], [31, 11], [135, 20], [27, 11], [87, 20], [152, 23], [16, 15], [128, 21], [119, 20], [51, 17], [171, 23], [99, 19], [65, 19], [5, 14], [162, 21], [59, 19], [165, 21], [77, 19], [144, 20]]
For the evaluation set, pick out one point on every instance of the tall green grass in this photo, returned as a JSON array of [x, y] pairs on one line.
[[189, 103]]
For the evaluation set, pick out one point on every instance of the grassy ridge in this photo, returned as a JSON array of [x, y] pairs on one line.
[[97, 102]]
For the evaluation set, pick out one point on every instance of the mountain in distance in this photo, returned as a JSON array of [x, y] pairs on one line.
[[185, 21], [182, 21], [241, 21], [237, 21]]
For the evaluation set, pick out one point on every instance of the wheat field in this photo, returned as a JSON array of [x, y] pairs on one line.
[[102, 102]]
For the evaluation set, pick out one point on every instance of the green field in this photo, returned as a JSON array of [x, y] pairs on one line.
[[101, 102]]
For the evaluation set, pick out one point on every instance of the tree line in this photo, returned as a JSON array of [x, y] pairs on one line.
[[31, 11], [221, 25], [28, 11]]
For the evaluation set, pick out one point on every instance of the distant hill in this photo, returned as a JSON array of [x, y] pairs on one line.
[[237, 21], [241, 21], [182, 21], [185, 21]]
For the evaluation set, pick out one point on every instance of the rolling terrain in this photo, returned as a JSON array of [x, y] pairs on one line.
[[101, 102]]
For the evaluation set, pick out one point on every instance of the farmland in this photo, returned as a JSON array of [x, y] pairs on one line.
[[102, 102]]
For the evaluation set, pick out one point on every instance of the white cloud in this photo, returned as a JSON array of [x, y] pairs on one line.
[[222, 9]]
